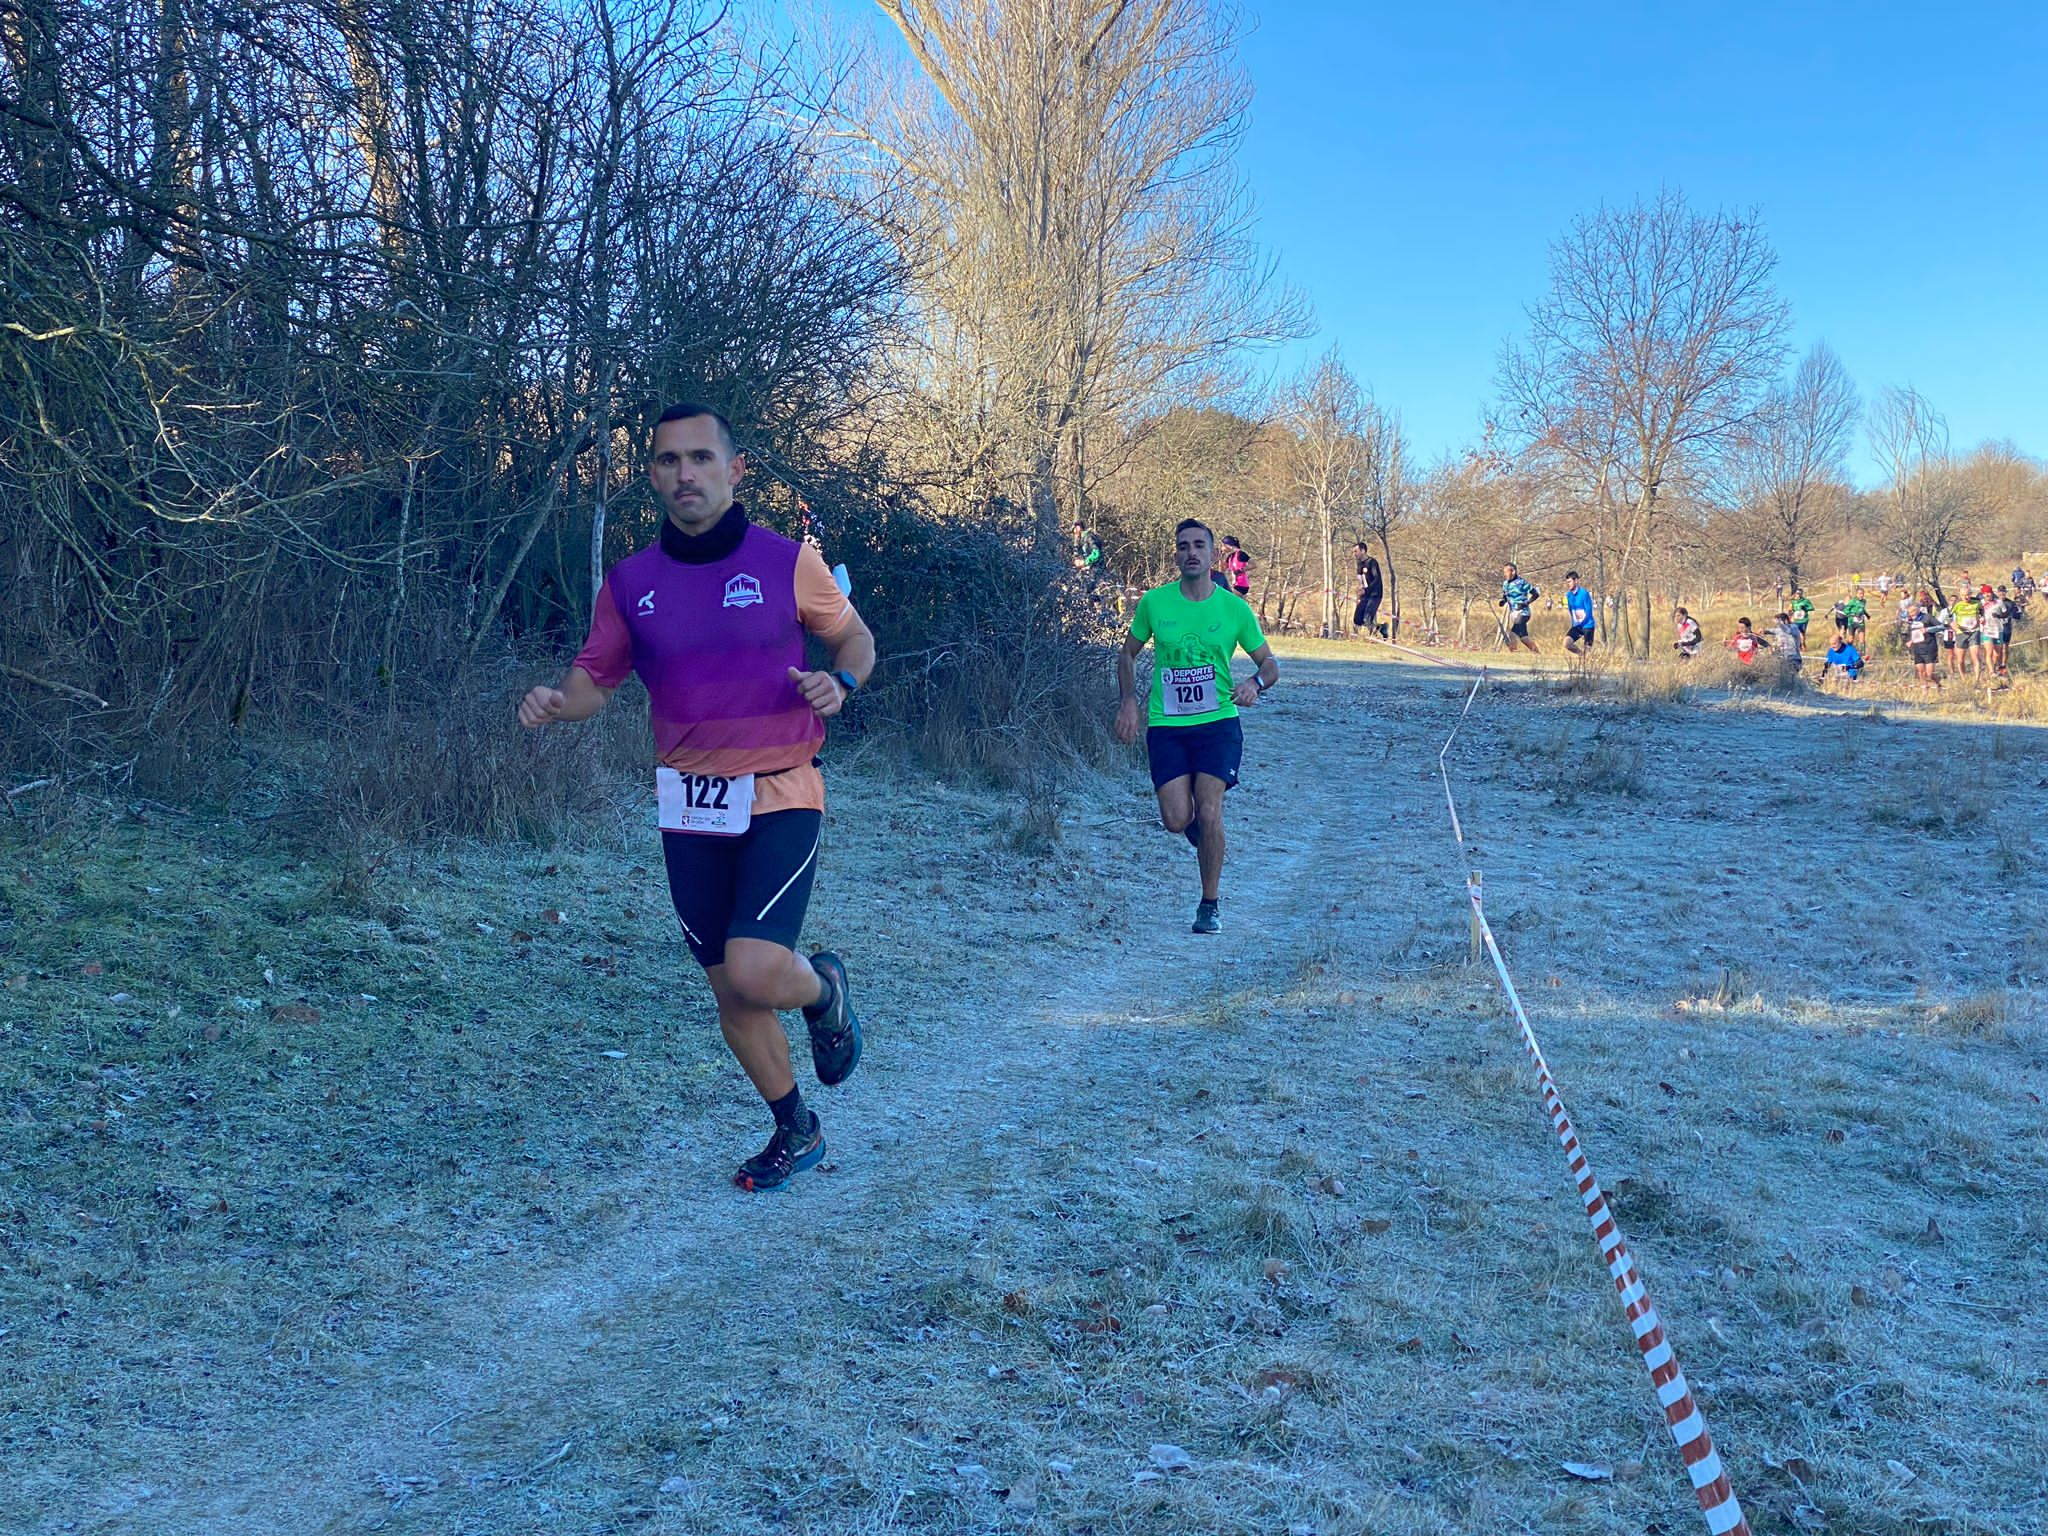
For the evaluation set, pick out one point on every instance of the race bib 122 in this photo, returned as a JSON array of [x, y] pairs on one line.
[[704, 802]]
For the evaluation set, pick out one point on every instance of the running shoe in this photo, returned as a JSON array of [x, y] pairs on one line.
[[1206, 920], [835, 1032], [788, 1153]]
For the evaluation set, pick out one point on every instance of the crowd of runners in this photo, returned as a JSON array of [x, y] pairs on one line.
[[715, 617], [1967, 636]]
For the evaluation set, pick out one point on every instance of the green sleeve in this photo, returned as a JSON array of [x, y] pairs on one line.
[[1141, 621], [1249, 635]]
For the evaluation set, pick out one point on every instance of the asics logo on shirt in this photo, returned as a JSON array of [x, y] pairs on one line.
[[646, 604], [742, 592]]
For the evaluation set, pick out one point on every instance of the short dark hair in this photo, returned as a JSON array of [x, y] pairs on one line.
[[1571, 575], [1193, 522], [685, 410]]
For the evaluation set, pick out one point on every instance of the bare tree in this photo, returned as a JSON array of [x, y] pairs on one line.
[[1386, 496], [1079, 223], [1656, 343], [1329, 460], [1789, 479], [1925, 518]]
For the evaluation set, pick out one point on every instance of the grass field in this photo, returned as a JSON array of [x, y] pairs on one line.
[[343, 1200]]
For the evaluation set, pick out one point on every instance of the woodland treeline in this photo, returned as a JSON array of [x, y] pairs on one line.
[[330, 332]]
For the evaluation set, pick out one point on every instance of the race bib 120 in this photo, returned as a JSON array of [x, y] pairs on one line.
[[1187, 690], [704, 802]]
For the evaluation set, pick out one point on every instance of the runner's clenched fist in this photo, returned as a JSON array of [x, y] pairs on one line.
[[541, 706]]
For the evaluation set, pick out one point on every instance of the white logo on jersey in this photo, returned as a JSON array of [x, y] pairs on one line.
[[647, 601], [742, 592]]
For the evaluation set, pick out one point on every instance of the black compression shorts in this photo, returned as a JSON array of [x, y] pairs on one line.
[[754, 886]]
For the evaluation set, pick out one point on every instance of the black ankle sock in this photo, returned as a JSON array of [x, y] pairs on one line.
[[788, 1110]]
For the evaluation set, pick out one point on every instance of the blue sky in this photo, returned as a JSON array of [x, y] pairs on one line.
[[1412, 162]]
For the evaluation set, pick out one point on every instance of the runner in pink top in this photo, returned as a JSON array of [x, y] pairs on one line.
[[713, 617]]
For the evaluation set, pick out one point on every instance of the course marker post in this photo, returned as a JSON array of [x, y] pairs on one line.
[[1478, 945]]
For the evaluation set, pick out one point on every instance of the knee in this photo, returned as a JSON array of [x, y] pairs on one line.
[[1176, 819], [754, 979]]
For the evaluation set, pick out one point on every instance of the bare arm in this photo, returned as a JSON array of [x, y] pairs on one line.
[[853, 650], [578, 698], [1127, 689], [1247, 692]]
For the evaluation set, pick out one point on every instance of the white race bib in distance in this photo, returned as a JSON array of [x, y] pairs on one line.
[[704, 802], [1187, 690]]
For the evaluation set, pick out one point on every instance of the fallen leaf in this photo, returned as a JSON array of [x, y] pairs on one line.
[[1933, 1232], [1017, 1303], [211, 1032], [1861, 1296], [1592, 1472], [1373, 1226], [1330, 1184], [1470, 1349], [92, 968], [295, 1013], [676, 1485], [1836, 1138], [551, 916], [1900, 1470], [1409, 1346], [1669, 1089], [1171, 1458], [1276, 1270], [20, 979]]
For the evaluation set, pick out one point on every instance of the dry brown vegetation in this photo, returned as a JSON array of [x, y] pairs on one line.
[[461, 1258]]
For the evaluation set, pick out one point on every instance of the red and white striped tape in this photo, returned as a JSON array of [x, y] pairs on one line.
[[1682, 1414]]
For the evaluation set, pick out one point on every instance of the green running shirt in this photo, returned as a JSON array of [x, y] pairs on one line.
[[1187, 637]]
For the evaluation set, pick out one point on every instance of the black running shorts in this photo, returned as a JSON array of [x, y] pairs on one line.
[[1178, 751], [754, 886]]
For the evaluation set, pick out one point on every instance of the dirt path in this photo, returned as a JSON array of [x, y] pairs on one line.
[[1103, 1186], [996, 1085]]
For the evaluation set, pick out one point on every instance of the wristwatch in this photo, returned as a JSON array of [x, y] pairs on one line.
[[846, 680]]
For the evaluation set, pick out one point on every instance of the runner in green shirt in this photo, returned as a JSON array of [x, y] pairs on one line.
[[1193, 741]]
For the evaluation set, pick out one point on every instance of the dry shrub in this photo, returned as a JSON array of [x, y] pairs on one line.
[[463, 768], [1982, 1016], [994, 653], [1938, 804]]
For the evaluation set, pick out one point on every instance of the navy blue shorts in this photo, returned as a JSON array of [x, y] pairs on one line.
[[1176, 751]]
